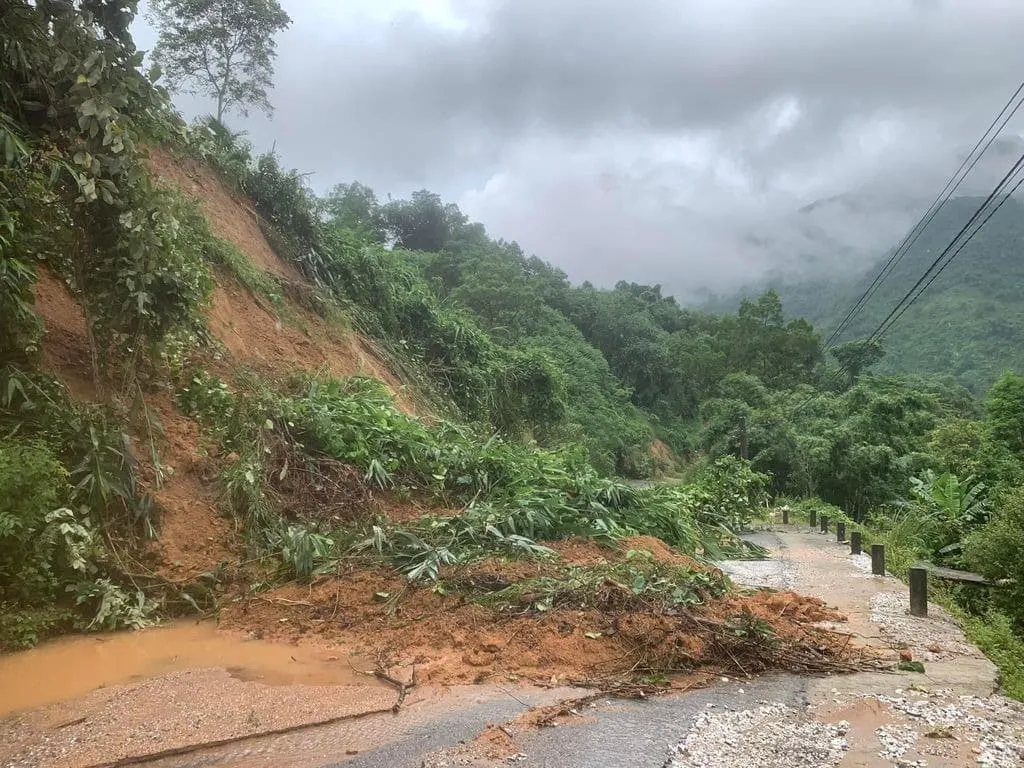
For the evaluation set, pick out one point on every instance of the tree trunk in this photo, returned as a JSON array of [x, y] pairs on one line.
[[94, 356], [90, 336]]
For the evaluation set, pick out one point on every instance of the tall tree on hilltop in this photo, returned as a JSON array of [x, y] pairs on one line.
[[423, 223], [855, 357], [223, 49]]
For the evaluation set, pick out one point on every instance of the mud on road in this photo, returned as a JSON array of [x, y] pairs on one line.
[[948, 716]]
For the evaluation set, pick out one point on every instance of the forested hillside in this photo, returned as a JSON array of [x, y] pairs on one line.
[[215, 381], [970, 322]]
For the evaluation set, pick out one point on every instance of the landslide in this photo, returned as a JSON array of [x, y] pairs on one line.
[[494, 621], [576, 617], [250, 333]]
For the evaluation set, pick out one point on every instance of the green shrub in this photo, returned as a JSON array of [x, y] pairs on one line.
[[113, 606], [994, 634], [997, 551], [803, 508], [33, 485], [904, 532], [45, 549], [24, 626]]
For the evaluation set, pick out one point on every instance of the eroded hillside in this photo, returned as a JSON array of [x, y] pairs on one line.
[[245, 332]]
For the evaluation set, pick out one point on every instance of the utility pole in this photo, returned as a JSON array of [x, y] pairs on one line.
[[744, 445]]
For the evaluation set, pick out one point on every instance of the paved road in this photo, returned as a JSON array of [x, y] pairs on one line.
[[874, 719], [631, 734], [784, 720]]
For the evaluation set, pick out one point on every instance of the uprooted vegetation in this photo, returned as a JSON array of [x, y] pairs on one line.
[[318, 435], [556, 570], [629, 624]]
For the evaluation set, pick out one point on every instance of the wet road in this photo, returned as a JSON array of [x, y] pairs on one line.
[[634, 734], [625, 734], [722, 726]]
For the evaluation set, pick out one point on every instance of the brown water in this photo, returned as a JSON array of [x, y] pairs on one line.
[[74, 666]]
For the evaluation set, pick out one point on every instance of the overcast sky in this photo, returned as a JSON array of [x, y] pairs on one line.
[[669, 141]]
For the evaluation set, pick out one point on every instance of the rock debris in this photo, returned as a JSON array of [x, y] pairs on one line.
[[770, 735]]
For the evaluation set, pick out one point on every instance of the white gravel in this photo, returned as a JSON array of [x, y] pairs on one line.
[[771, 735], [937, 637], [896, 740], [925, 724], [861, 562], [760, 573], [994, 723]]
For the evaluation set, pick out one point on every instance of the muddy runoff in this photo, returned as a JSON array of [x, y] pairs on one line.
[[75, 666]]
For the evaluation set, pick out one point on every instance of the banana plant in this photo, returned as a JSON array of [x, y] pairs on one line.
[[951, 507], [962, 502]]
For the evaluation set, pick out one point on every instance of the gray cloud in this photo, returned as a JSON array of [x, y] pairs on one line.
[[664, 140]]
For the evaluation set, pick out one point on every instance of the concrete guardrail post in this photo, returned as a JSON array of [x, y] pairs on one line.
[[855, 543], [840, 532], [918, 591], [878, 559]]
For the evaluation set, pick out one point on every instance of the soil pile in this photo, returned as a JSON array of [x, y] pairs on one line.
[[447, 639]]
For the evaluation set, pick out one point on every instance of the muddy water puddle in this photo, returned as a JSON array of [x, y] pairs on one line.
[[74, 666]]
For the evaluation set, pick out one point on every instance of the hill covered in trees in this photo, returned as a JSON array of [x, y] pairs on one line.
[[970, 322]]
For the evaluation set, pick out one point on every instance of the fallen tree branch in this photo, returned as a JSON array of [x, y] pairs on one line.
[[381, 674]]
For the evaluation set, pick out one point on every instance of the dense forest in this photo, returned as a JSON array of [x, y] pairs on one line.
[[541, 395], [968, 325]]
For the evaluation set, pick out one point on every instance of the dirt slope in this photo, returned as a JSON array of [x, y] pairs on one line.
[[254, 337], [231, 218], [65, 347], [249, 331], [194, 537]]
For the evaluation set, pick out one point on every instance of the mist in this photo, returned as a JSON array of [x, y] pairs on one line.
[[702, 145]]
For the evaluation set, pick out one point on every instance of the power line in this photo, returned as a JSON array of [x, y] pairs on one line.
[[945, 251], [933, 210], [914, 294], [940, 201], [955, 254]]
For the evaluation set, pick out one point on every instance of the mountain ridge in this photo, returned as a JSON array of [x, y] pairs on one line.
[[967, 324]]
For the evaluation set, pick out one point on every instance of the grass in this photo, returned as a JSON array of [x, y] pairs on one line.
[[900, 554], [259, 283], [993, 634]]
